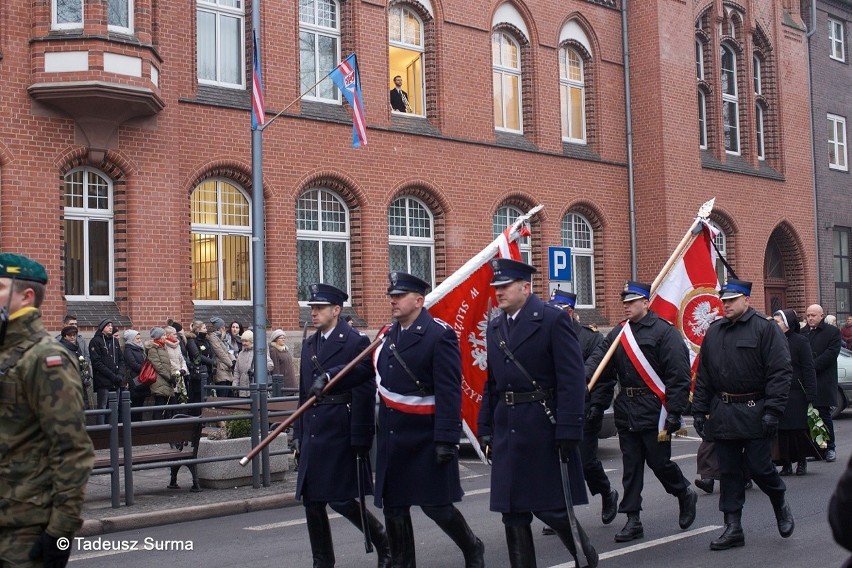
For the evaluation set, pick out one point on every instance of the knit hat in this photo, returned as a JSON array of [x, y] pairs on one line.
[[130, 335], [276, 334], [178, 327], [157, 332], [247, 335], [217, 323]]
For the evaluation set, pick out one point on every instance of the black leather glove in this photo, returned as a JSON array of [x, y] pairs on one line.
[[594, 416], [362, 451], [319, 384], [566, 448], [770, 425], [672, 423], [47, 549], [444, 452], [485, 445], [698, 422]]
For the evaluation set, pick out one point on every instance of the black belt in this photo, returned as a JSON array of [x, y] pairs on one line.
[[729, 398], [343, 398], [513, 398], [637, 391]]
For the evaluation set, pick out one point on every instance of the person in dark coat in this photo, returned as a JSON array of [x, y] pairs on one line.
[[107, 361], [644, 424], [741, 390], [596, 403], [840, 512], [201, 361], [134, 357], [825, 345], [794, 439], [334, 437], [532, 413], [418, 372]]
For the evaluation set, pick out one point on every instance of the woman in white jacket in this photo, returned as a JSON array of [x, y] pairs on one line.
[[244, 370]]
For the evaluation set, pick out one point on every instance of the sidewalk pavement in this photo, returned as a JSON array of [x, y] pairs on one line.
[[155, 505]]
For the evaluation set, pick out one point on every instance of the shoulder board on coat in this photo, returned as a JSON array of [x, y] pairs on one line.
[[442, 323]]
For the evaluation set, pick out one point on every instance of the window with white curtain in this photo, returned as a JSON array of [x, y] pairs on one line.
[[220, 42], [577, 233], [411, 238], [506, 75], [88, 235], [322, 241]]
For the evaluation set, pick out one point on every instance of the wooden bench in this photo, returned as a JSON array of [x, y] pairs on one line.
[[289, 405]]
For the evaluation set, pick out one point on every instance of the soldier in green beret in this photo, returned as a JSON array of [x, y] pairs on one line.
[[45, 453]]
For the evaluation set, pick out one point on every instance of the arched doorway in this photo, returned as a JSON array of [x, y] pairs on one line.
[[774, 278], [783, 273]]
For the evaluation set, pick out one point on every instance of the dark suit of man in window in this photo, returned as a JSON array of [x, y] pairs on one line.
[[398, 97]]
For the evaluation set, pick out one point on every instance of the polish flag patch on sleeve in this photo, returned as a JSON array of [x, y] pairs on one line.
[[53, 361]]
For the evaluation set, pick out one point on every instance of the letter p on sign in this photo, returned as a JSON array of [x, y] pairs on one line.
[[560, 264]]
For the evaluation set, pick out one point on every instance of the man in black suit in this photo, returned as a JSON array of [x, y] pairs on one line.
[[825, 343], [398, 97]]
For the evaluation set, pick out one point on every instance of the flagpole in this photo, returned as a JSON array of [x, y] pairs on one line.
[[691, 235]]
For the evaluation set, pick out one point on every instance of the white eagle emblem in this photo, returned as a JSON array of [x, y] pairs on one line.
[[477, 341], [702, 316]]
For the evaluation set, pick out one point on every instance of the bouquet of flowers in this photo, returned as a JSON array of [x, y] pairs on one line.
[[818, 430], [85, 371], [180, 387]]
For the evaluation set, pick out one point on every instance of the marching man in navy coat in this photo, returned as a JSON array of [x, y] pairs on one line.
[[418, 371], [532, 411], [337, 429]]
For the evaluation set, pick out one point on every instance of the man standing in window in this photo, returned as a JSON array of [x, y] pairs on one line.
[[334, 438], [825, 344], [418, 371], [398, 97]]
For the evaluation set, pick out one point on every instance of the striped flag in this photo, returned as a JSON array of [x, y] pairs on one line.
[[347, 79], [258, 116]]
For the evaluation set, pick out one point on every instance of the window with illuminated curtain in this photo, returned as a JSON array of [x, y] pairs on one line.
[[572, 93], [322, 241], [411, 238], [221, 243], [220, 45], [506, 74], [405, 55], [88, 235], [577, 233], [319, 48], [504, 217]]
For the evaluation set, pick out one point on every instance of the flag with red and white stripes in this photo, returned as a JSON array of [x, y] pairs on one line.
[[258, 112], [347, 79]]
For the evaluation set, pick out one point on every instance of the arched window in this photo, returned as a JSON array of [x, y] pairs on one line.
[[577, 233], [504, 217], [88, 235], [730, 103], [572, 94], [405, 54], [411, 238], [702, 99], [721, 242], [319, 48], [322, 241], [506, 71], [757, 65], [221, 243]]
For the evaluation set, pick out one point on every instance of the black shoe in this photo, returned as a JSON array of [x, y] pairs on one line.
[[609, 507], [748, 484], [173, 485], [784, 516], [632, 530], [733, 535], [786, 469], [547, 531], [830, 455], [802, 467], [706, 485], [687, 501]]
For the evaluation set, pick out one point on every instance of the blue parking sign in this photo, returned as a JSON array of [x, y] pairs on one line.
[[560, 263]]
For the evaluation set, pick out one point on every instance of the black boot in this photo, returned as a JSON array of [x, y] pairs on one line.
[[378, 536], [706, 485], [401, 541], [609, 507], [784, 516], [319, 533], [802, 467], [472, 548], [786, 469], [173, 484], [521, 549], [686, 502], [589, 551], [733, 535], [632, 530]]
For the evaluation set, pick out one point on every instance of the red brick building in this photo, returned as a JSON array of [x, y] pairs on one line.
[[125, 158]]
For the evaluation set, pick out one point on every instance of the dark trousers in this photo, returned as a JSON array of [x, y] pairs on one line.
[[825, 414], [637, 449], [138, 394], [102, 401], [593, 470], [555, 519], [758, 459], [438, 513]]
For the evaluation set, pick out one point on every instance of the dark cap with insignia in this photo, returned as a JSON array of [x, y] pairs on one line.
[[507, 270], [19, 267], [735, 288], [325, 294], [403, 283], [561, 298], [635, 290]]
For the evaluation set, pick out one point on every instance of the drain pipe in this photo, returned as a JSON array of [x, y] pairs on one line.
[[808, 36], [628, 115]]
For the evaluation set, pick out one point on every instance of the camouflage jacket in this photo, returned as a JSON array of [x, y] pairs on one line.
[[45, 453]]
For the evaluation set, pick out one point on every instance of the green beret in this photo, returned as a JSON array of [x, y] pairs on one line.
[[21, 268]]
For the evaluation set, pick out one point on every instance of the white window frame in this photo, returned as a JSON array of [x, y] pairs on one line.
[[702, 120], [408, 241], [837, 39], [837, 125], [54, 21], [568, 84], [759, 132], [578, 252], [326, 236], [497, 68], [86, 215], [699, 60], [317, 30], [721, 242], [216, 8], [130, 24], [502, 218], [219, 230], [731, 99], [420, 94]]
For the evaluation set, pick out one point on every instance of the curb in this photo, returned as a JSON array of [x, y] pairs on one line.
[[94, 527]]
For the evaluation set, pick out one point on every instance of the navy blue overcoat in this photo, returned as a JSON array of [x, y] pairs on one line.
[[525, 473]]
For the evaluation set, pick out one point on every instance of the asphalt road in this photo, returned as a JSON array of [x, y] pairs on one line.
[[279, 537]]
